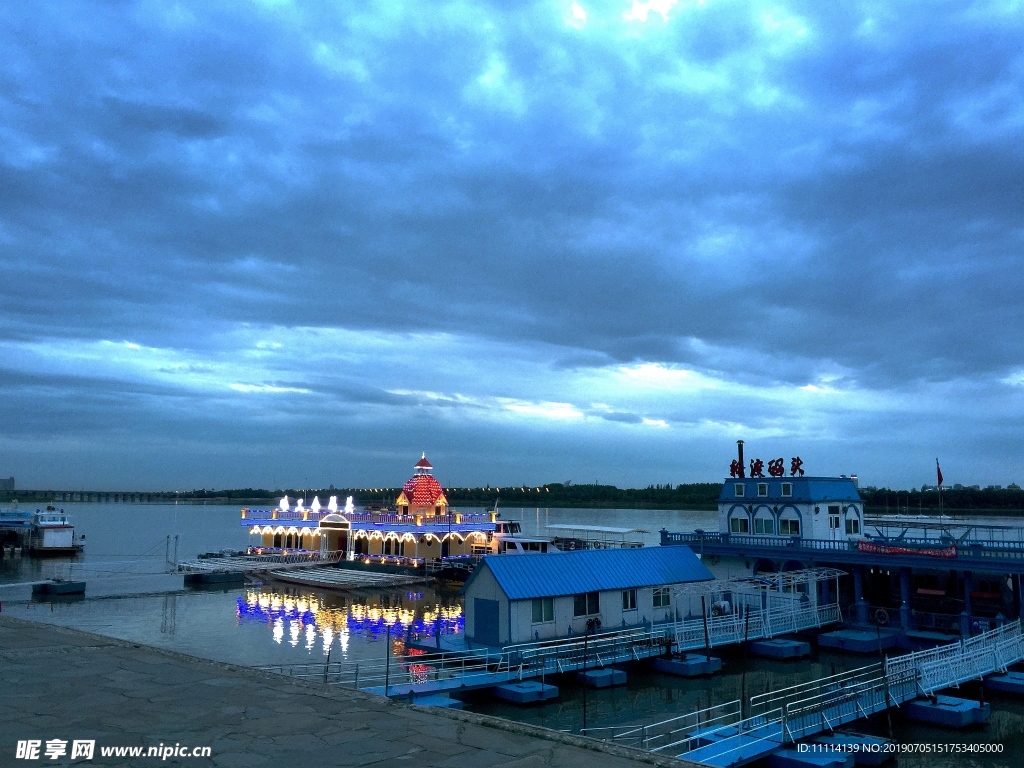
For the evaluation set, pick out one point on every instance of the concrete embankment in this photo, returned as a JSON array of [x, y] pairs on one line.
[[58, 683]]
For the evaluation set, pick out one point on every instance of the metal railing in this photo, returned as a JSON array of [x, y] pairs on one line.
[[536, 659], [261, 562], [673, 732], [399, 675], [815, 706]]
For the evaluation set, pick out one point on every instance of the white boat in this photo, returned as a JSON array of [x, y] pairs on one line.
[[508, 539], [53, 534]]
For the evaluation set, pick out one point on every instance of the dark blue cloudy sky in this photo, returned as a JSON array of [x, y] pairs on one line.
[[298, 243]]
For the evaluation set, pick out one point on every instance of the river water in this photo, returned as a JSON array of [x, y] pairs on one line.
[[130, 595]]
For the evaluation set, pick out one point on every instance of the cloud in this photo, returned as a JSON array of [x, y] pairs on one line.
[[713, 217]]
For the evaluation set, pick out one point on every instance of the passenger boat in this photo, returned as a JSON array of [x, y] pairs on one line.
[[53, 534]]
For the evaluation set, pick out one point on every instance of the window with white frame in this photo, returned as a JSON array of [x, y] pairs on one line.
[[762, 489], [764, 525], [739, 524], [662, 597], [789, 526], [629, 599], [543, 610], [586, 604], [787, 490], [739, 490], [852, 524]]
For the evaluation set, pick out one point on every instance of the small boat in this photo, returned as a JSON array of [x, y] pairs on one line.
[[53, 534]]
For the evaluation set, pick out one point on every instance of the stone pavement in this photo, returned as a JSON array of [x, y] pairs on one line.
[[58, 683]]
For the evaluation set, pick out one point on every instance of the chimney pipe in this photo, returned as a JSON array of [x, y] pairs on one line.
[[739, 447]]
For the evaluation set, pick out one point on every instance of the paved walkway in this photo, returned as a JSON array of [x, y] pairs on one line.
[[58, 683]]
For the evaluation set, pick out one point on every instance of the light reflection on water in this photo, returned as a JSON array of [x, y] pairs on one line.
[[331, 617]]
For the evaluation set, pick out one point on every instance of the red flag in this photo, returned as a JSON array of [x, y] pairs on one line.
[[938, 471]]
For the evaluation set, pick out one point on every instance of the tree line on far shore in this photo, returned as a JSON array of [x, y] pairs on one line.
[[700, 496]]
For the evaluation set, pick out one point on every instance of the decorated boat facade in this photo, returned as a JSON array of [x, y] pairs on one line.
[[420, 527]]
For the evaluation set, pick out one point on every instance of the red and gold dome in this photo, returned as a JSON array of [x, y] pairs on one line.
[[422, 494]]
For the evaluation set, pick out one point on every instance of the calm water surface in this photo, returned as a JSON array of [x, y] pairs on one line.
[[276, 623]]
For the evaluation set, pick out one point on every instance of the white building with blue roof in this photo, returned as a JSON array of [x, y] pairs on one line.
[[823, 508], [524, 598]]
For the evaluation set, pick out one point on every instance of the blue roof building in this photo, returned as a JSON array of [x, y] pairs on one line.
[[827, 508], [524, 598]]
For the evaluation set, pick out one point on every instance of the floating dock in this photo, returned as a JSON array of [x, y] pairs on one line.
[[858, 640], [214, 578], [58, 587], [780, 648], [602, 678], [948, 711], [1010, 682], [689, 665], [526, 692], [795, 758]]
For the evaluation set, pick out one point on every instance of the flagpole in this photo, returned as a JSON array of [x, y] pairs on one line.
[[938, 476]]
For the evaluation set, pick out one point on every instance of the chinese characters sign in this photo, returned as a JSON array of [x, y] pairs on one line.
[[776, 467]]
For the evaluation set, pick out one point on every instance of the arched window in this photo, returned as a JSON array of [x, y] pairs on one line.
[[853, 525]]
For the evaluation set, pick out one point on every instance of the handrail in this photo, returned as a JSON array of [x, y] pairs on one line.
[[807, 708], [261, 562]]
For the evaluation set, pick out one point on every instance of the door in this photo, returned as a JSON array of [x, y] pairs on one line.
[[485, 620]]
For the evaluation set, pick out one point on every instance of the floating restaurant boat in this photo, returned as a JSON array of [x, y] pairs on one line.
[[420, 528], [910, 574], [53, 534]]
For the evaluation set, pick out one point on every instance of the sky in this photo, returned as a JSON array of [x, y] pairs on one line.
[[293, 244]]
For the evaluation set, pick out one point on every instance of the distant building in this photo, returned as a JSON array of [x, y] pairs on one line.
[[7, 485]]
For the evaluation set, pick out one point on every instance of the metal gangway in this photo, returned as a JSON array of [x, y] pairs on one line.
[[736, 732], [255, 563]]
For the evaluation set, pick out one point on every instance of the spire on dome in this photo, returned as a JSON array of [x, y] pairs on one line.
[[423, 467]]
